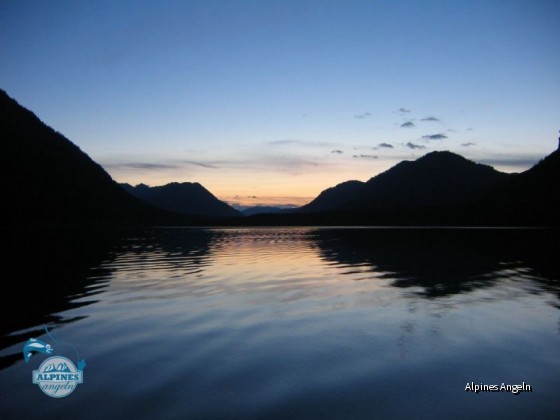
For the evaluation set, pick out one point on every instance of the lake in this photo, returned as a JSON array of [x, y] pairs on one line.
[[296, 323]]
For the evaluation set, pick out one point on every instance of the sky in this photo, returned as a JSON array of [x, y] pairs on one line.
[[270, 102]]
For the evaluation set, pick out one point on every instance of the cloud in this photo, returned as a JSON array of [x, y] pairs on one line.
[[300, 143], [520, 162], [284, 142], [140, 165], [430, 119], [438, 136], [408, 124], [414, 146], [148, 166], [386, 145], [362, 116], [404, 110], [468, 144], [365, 156], [337, 151], [203, 165]]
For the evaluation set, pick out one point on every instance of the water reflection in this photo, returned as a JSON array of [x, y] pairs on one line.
[[290, 322], [444, 262], [55, 271], [61, 271]]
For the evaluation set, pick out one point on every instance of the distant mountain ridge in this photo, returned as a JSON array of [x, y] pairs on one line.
[[45, 179], [188, 198], [436, 179], [251, 211], [335, 197]]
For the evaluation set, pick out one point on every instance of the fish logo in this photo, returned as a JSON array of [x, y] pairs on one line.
[[35, 346]]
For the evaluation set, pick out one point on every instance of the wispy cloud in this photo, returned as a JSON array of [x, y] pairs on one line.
[[521, 162], [140, 165], [404, 110], [362, 116], [287, 164], [202, 165], [468, 144], [254, 162], [385, 145], [284, 142], [507, 163], [408, 124], [430, 119], [365, 156], [411, 145], [438, 136], [305, 143], [337, 151]]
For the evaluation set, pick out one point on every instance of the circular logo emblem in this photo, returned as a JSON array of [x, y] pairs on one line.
[[57, 377]]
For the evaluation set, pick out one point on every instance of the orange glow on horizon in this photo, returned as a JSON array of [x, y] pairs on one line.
[[266, 200], [269, 188]]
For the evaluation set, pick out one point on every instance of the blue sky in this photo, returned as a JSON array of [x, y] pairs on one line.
[[273, 101]]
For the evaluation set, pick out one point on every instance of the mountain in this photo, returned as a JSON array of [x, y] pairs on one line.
[[335, 197], [434, 180], [46, 179], [251, 211], [61, 367], [185, 198], [531, 198]]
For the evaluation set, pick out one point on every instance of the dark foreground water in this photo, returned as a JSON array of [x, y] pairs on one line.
[[285, 323]]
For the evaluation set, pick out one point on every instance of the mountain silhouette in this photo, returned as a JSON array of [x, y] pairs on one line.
[[46, 179], [61, 367], [189, 198], [335, 197], [436, 179], [440, 188], [251, 211], [530, 198]]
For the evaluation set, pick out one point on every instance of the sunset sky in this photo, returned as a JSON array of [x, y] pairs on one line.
[[270, 102]]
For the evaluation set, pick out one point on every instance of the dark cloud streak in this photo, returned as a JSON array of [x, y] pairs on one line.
[[521, 161], [365, 156], [438, 136], [203, 165], [140, 165], [413, 146]]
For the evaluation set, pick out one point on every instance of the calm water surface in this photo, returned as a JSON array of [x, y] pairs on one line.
[[286, 322]]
